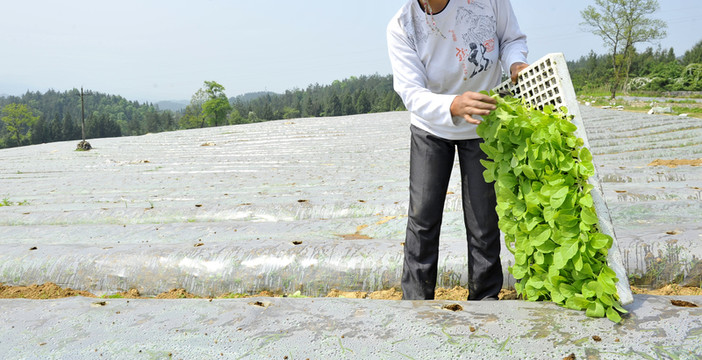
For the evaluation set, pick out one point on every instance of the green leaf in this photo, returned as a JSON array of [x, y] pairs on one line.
[[489, 173], [613, 315], [519, 272], [599, 241], [507, 180], [619, 308], [532, 221], [564, 253], [490, 151], [566, 126], [547, 247], [539, 257], [578, 262], [586, 201], [606, 300], [528, 171], [557, 297], [595, 310], [596, 287], [585, 155], [588, 216], [577, 302], [567, 290], [559, 196], [540, 235], [533, 203]]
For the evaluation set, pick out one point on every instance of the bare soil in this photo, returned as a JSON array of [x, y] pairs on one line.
[[53, 291], [668, 290], [676, 162], [45, 291]]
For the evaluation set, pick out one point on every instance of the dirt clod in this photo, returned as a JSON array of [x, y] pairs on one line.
[[176, 294], [506, 294], [334, 293], [452, 307], [390, 294], [457, 293], [263, 304], [683, 303]]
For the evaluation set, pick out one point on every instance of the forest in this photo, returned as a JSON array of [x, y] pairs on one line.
[[36, 118], [651, 71]]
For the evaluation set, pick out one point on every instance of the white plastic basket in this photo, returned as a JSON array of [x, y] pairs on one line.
[[547, 82]]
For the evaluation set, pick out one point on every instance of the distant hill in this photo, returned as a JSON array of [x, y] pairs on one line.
[[251, 96], [173, 105]]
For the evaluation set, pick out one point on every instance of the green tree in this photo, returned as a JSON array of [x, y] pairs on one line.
[[101, 126], [622, 24], [290, 113], [153, 122], [38, 135], [363, 104], [18, 119], [216, 106], [193, 116], [334, 106], [69, 129], [694, 55]]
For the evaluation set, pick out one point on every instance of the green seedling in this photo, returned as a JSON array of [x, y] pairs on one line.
[[540, 171], [297, 294]]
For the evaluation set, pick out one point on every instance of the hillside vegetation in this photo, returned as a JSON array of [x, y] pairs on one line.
[[35, 117]]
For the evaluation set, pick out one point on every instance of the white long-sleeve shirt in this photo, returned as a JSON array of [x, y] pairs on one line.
[[436, 57]]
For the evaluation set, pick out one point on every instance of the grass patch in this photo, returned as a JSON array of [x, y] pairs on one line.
[[8, 202], [234, 296], [113, 296]]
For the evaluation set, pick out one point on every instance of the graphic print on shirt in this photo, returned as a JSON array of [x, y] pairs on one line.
[[478, 39], [418, 35]]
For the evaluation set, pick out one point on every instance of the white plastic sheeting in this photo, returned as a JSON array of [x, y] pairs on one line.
[[130, 212]]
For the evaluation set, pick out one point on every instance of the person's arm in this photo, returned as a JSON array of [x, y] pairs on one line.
[[513, 42], [410, 79], [515, 69]]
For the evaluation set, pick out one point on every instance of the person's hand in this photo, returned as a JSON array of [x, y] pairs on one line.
[[515, 69], [472, 103]]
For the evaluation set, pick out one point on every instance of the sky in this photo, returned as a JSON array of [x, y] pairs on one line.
[[154, 50]]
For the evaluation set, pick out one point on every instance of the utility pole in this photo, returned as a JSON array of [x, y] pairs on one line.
[[83, 145], [82, 113]]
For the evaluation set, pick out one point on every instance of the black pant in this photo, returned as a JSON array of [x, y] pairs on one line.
[[431, 161]]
